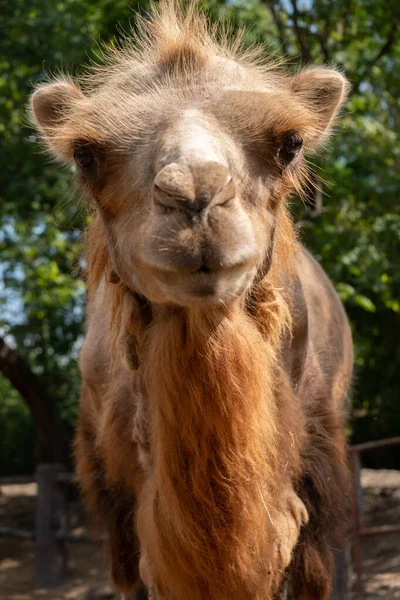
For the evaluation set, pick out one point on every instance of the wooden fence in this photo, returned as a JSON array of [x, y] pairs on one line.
[[51, 532], [359, 530]]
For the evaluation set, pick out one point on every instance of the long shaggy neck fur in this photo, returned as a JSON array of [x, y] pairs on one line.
[[206, 514]]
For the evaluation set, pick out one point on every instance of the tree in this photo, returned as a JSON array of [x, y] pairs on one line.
[[355, 233]]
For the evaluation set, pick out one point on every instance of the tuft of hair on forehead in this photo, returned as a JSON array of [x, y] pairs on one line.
[[178, 40]]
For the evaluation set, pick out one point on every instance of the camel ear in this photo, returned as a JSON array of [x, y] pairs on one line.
[[51, 102], [323, 91]]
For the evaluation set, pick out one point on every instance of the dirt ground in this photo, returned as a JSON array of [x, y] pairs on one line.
[[87, 576], [87, 570]]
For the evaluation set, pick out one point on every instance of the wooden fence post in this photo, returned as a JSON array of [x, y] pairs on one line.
[[50, 524], [357, 515], [342, 573]]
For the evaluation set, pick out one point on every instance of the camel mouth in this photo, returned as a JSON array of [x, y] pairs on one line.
[[205, 270], [223, 245], [206, 286]]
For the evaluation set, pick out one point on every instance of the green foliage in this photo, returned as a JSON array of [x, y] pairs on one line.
[[356, 237]]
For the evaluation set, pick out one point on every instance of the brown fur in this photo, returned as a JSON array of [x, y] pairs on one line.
[[211, 428], [215, 407]]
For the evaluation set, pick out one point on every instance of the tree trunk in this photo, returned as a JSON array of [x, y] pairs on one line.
[[51, 446], [51, 524]]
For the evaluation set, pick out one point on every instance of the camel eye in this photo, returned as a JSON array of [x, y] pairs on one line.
[[83, 157], [290, 147]]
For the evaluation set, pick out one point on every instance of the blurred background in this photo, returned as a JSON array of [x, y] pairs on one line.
[[351, 222]]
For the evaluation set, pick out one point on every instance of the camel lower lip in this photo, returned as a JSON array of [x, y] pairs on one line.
[[204, 286], [204, 282], [213, 286]]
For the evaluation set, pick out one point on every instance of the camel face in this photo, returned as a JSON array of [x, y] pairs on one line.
[[189, 164], [187, 194]]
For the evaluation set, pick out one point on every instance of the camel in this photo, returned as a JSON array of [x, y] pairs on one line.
[[218, 357]]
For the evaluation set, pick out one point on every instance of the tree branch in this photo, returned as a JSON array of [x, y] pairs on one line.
[[390, 40], [323, 42], [305, 54], [346, 12], [275, 10], [388, 44], [18, 372]]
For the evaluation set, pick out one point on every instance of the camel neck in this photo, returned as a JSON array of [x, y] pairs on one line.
[[212, 418]]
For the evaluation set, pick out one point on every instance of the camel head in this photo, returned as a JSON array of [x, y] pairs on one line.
[[189, 149]]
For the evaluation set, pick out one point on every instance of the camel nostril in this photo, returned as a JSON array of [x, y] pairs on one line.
[[173, 187], [193, 189], [169, 202]]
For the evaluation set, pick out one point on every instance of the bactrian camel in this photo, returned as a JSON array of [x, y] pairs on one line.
[[217, 356]]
